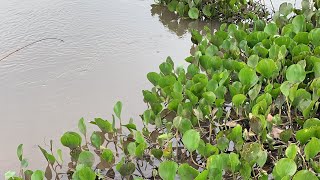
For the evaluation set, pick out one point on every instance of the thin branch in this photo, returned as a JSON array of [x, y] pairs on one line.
[[30, 44]]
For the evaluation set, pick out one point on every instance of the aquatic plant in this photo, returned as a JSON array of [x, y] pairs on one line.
[[246, 107], [225, 10]]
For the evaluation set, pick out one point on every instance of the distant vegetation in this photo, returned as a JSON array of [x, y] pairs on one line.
[[246, 107], [225, 10]]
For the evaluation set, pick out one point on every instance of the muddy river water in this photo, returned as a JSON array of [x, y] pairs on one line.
[[108, 48]]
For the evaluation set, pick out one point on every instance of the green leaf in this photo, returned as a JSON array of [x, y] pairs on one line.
[[292, 151], [86, 158], [132, 148], [9, 174], [303, 135], [285, 9], [157, 153], [238, 99], [285, 167], [20, 151], [37, 175], [104, 125], [285, 88], [299, 23], [207, 10], [24, 163], [139, 138], [107, 155], [71, 140], [271, 29], [49, 157], [96, 139], [166, 68], [311, 123], [173, 5], [117, 109], [59, 152], [304, 175], [234, 161], [191, 139], [203, 175], [314, 37], [82, 127], [127, 169], [295, 73], [167, 170], [267, 68], [253, 61], [83, 173], [222, 143], [193, 13], [312, 148], [186, 172], [153, 77], [210, 97], [248, 77]]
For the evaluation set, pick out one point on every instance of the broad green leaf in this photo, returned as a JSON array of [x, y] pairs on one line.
[[285, 88], [132, 148], [292, 151], [248, 77], [191, 139], [157, 153], [253, 61], [83, 173], [314, 37], [193, 13], [271, 29], [104, 125], [96, 139], [37, 175], [127, 169], [299, 23], [210, 97], [203, 175], [207, 10], [82, 127], [167, 170], [166, 68], [311, 123], [234, 161], [312, 148], [186, 172], [286, 8], [295, 73], [117, 109], [206, 62], [173, 5], [107, 155], [86, 158], [304, 175], [238, 99], [285, 167], [153, 77], [267, 68], [71, 140]]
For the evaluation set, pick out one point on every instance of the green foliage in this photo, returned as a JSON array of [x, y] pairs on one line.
[[246, 107], [226, 10]]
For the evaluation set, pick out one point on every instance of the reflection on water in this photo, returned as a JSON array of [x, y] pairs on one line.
[[180, 26]]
